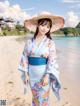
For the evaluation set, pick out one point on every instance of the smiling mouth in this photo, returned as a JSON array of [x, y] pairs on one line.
[[43, 30]]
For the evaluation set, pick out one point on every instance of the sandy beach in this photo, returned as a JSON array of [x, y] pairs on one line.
[[11, 85]]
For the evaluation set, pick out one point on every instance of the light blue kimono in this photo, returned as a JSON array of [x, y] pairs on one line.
[[36, 72]]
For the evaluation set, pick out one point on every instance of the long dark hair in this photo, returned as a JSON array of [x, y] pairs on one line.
[[42, 21]]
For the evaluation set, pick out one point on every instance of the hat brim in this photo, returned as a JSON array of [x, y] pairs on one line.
[[57, 22]]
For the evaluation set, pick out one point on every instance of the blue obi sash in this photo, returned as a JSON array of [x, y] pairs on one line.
[[37, 60]]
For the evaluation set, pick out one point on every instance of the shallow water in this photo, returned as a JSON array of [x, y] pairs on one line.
[[68, 51]]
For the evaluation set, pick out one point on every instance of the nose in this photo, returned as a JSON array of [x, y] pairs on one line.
[[44, 29]]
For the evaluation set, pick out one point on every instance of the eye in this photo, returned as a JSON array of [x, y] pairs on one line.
[[42, 24], [48, 26]]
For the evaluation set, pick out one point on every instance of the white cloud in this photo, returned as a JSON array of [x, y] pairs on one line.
[[14, 11], [6, 2], [72, 19], [72, 5], [71, 1]]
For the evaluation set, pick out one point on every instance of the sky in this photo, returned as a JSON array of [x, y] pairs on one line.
[[23, 9]]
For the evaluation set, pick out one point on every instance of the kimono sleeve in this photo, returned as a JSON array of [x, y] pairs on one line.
[[23, 64], [53, 70], [52, 65]]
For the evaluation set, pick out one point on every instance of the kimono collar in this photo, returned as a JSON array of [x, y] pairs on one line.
[[40, 44], [41, 40]]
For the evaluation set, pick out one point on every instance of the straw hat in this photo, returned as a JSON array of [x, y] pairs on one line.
[[57, 21]]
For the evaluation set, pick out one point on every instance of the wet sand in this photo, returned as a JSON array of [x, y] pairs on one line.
[[11, 86]]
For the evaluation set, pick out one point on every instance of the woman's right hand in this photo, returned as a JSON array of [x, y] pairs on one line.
[[25, 77]]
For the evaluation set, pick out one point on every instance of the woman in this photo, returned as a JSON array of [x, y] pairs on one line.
[[39, 59]]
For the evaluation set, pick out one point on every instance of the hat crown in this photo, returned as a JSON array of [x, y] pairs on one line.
[[41, 14]]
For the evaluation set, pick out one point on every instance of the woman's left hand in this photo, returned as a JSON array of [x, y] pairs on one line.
[[45, 80]]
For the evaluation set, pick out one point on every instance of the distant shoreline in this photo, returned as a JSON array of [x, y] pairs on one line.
[[53, 35]]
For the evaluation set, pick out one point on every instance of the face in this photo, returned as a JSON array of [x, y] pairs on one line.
[[44, 27]]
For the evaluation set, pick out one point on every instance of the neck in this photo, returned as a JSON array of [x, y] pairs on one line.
[[40, 35]]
